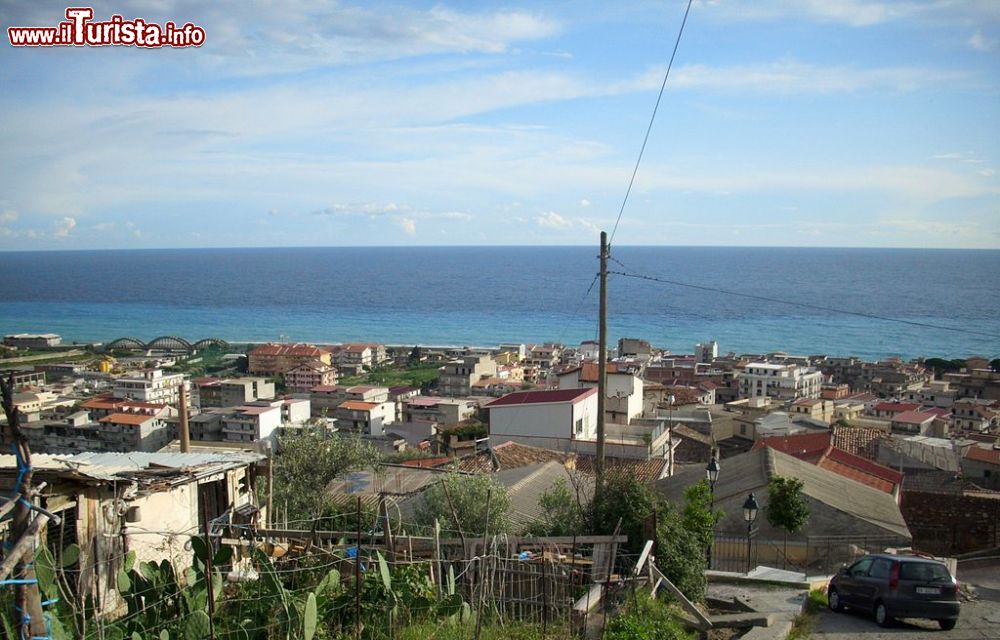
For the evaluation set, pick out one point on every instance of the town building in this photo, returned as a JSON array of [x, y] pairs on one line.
[[152, 386], [634, 348], [148, 504], [365, 417], [707, 352], [302, 378], [438, 410], [457, 377], [815, 408], [624, 396], [229, 392], [556, 416], [32, 340], [275, 359], [783, 381]]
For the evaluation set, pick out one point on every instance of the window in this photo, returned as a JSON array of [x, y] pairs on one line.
[[579, 425], [880, 568], [926, 571], [860, 568]]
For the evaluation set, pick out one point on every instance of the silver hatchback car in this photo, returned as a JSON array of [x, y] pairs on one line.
[[892, 586]]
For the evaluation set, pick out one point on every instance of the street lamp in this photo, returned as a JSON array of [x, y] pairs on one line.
[[712, 471], [750, 508]]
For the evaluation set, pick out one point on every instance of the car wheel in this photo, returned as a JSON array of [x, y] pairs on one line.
[[833, 601], [947, 625], [882, 616]]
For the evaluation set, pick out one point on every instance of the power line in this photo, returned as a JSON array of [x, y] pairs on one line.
[[651, 120], [805, 305]]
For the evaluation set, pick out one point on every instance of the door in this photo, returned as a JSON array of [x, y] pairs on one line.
[[849, 583], [870, 587]]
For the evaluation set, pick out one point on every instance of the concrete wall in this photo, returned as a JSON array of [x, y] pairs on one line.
[[546, 420]]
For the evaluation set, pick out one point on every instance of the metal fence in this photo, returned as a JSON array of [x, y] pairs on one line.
[[814, 555]]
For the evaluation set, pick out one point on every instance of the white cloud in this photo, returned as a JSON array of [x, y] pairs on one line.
[[790, 77], [980, 42], [553, 220], [64, 226], [858, 13], [584, 202], [8, 215], [408, 225]]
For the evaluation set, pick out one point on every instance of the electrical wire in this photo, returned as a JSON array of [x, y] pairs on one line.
[[805, 305], [649, 128]]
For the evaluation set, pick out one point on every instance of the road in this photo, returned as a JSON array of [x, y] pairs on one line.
[[980, 618]]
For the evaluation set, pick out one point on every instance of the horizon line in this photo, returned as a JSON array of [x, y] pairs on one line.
[[496, 246]]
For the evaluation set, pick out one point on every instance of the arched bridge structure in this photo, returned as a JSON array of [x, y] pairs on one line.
[[164, 343]]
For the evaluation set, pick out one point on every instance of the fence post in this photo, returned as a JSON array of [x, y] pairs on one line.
[[357, 577]]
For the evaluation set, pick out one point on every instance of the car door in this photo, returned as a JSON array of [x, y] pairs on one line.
[[849, 583], [870, 587]]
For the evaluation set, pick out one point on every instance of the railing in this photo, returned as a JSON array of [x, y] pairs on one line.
[[814, 555]]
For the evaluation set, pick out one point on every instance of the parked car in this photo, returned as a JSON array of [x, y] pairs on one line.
[[893, 587]]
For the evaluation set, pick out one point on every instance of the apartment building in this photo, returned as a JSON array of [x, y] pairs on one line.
[[153, 386], [32, 340], [367, 418], [456, 377], [304, 377], [782, 381], [445, 411], [275, 359], [230, 392]]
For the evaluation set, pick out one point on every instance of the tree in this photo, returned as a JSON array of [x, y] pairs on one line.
[[307, 461], [786, 509], [459, 502], [562, 511], [415, 356], [995, 364]]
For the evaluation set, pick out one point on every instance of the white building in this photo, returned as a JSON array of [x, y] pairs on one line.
[[784, 381], [624, 398], [154, 386], [706, 352], [555, 416]]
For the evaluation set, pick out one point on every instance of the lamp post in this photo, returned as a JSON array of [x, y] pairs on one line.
[[712, 472], [750, 508]]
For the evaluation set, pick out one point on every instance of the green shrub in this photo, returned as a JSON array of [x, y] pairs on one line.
[[646, 618]]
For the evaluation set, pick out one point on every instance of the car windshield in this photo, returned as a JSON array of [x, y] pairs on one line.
[[924, 571]]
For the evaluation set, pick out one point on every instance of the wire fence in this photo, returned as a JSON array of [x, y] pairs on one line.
[[501, 579]]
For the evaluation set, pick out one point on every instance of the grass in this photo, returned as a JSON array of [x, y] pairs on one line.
[[445, 630], [394, 376], [803, 624]]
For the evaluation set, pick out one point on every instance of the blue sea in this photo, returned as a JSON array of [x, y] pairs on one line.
[[486, 295]]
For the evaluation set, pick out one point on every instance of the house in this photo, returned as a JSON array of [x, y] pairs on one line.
[[136, 431], [819, 449], [113, 426], [783, 381], [892, 409], [914, 423], [302, 378], [229, 392], [981, 464], [974, 414], [815, 408], [365, 417], [275, 359], [438, 410], [152, 386], [634, 348], [147, 503], [457, 377], [831, 391], [837, 505], [357, 357], [548, 416], [624, 396]]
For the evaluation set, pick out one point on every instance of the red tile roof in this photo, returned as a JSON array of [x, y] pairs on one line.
[[298, 350], [861, 469], [355, 405], [913, 417], [126, 418], [982, 454], [897, 407], [539, 397], [807, 446]]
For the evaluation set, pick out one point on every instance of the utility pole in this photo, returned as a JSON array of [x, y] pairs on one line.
[[602, 364]]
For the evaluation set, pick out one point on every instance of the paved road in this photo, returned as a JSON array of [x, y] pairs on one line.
[[979, 620]]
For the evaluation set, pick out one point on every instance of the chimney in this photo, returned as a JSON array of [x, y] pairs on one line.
[[185, 434]]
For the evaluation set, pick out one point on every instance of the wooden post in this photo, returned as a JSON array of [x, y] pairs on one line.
[[482, 560], [29, 619], [270, 520], [357, 578], [602, 367]]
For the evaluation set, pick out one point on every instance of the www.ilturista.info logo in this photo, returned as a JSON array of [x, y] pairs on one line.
[[80, 30]]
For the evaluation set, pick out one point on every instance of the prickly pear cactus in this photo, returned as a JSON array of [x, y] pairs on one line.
[[197, 626]]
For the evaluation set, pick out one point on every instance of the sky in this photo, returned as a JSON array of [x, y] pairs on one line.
[[784, 123]]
